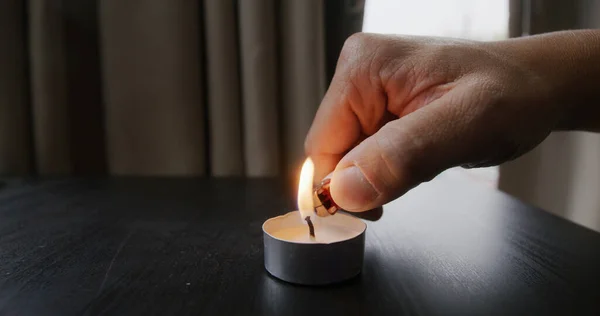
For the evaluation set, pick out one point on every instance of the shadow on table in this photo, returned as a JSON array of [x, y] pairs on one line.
[[279, 298], [357, 280], [356, 296]]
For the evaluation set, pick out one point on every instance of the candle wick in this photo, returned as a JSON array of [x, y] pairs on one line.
[[311, 227]]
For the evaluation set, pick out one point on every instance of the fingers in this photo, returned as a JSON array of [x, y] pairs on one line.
[[376, 159], [353, 107], [402, 154], [333, 132]]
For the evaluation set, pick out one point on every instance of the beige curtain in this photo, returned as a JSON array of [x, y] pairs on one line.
[[15, 126], [168, 88], [562, 175]]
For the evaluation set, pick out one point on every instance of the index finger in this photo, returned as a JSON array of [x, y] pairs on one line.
[[353, 108], [335, 130]]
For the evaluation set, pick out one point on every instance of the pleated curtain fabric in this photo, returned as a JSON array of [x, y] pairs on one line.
[[224, 86], [260, 93], [303, 55], [48, 68], [15, 126], [162, 88], [152, 81]]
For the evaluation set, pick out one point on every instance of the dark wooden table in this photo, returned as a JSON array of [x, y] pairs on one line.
[[172, 247]]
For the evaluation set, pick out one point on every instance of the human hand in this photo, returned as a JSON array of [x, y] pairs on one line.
[[400, 110]]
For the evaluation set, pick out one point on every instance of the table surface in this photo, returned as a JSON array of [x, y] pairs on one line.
[[194, 246]]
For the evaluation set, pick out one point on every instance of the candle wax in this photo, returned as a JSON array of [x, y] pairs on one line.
[[323, 234], [293, 228]]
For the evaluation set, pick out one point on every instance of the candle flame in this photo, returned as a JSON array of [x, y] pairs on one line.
[[305, 189]]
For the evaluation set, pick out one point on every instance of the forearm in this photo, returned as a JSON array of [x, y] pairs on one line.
[[568, 65]]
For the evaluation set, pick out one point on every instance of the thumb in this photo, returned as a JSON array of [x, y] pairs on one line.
[[401, 155]]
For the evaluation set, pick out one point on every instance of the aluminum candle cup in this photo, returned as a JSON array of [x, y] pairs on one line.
[[334, 255]]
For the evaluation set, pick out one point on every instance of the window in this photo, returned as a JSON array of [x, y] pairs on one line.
[[469, 19]]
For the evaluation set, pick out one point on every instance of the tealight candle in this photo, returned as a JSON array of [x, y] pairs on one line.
[[333, 254]]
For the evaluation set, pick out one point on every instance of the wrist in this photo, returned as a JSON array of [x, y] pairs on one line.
[[567, 65], [566, 68]]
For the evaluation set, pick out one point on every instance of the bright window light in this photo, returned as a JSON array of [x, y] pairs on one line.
[[469, 19]]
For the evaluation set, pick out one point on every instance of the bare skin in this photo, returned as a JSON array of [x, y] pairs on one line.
[[400, 110]]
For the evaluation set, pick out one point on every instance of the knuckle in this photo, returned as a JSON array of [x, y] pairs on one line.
[[356, 41], [447, 60], [437, 60], [355, 48]]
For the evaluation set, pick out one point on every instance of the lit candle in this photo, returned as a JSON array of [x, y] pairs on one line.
[[294, 226], [335, 252]]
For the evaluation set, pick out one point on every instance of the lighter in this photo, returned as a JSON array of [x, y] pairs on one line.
[[324, 204]]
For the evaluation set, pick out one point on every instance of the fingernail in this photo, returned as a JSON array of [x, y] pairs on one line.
[[317, 181], [351, 190]]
